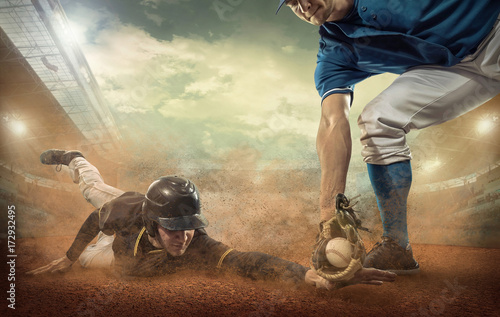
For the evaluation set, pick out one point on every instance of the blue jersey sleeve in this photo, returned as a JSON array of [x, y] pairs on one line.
[[334, 79], [413, 33], [336, 70]]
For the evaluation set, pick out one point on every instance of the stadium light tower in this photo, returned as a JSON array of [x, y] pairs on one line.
[[18, 127], [485, 125]]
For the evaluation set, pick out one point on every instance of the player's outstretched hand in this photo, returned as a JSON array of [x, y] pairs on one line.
[[57, 266], [372, 276], [363, 276]]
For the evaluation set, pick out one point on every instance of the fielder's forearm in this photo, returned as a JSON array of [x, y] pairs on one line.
[[334, 146]]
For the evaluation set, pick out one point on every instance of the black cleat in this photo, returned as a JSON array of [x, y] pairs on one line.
[[57, 157], [390, 256]]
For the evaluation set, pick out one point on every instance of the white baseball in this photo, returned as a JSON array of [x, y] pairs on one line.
[[339, 252]]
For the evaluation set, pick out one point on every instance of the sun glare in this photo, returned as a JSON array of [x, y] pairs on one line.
[[18, 127], [485, 125]]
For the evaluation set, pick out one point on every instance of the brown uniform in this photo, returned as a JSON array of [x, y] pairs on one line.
[[136, 256]]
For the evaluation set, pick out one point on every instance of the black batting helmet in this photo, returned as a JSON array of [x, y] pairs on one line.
[[172, 202]]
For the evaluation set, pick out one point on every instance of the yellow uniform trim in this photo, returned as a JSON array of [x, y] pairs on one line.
[[156, 251], [138, 239], [219, 265], [99, 214]]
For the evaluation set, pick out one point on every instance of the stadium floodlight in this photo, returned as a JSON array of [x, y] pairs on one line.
[[485, 125], [18, 127], [432, 165]]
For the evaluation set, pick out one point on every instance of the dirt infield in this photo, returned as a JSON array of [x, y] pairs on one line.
[[455, 281]]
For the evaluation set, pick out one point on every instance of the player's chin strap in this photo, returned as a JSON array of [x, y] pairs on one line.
[[348, 222]]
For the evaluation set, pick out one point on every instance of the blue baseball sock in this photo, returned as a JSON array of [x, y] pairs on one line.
[[391, 184]]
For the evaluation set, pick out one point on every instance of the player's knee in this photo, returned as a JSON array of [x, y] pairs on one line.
[[381, 119], [88, 191], [383, 140]]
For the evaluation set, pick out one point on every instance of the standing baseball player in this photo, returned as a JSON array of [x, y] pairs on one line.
[[163, 231], [447, 55]]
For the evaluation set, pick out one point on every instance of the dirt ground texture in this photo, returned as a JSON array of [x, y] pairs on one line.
[[454, 281]]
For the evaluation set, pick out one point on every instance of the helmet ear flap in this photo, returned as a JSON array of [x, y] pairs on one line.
[[148, 223]]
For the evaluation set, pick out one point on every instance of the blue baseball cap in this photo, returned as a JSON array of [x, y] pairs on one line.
[[282, 2]]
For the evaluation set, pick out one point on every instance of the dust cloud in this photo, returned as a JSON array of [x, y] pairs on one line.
[[249, 207], [258, 207]]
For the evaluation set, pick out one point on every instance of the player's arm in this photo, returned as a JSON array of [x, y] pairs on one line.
[[333, 144], [86, 234], [209, 253], [262, 266], [57, 266], [363, 276], [257, 265]]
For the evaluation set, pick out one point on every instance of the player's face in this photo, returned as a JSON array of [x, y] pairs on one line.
[[318, 12], [175, 242]]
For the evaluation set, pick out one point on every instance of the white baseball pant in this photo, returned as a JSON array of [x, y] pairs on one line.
[[425, 96], [96, 192]]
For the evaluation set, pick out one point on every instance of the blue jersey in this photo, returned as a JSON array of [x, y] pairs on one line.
[[395, 35]]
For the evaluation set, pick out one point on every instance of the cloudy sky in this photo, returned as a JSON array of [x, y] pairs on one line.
[[208, 77]]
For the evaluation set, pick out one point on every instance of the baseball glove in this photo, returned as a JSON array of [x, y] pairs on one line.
[[344, 224]]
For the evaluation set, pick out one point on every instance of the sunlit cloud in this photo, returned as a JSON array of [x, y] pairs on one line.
[[227, 79], [156, 3], [158, 20], [252, 87]]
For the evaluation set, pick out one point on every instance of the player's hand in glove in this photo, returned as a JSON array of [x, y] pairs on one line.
[[343, 224], [371, 276], [363, 276], [61, 265]]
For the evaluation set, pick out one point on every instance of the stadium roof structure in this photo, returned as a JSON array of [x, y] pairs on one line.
[[48, 95]]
